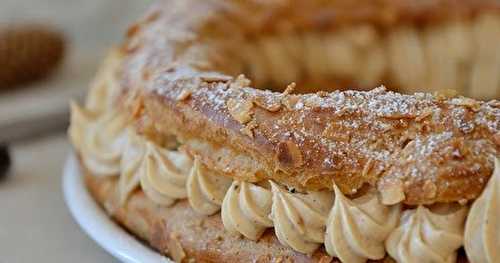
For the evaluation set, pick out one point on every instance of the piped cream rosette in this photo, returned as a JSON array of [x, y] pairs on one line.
[[100, 139], [357, 228], [353, 230], [482, 230]]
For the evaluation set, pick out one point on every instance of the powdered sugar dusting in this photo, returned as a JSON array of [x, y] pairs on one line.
[[337, 133]]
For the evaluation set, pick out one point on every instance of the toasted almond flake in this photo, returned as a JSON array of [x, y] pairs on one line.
[[175, 248], [240, 109], [240, 82], [392, 193], [248, 129], [215, 78], [367, 168], [290, 102], [185, 94], [426, 113], [271, 106], [322, 93], [289, 154], [289, 89], [445, 94], [430, 189]]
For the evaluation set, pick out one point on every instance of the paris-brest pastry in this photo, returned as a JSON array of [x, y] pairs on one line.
[[258, 131]]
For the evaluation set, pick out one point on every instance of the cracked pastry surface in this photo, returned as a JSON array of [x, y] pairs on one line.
[[300, 220], [306, 140], [317, 168]]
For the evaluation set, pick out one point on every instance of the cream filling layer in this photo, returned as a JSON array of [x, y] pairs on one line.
[[357, 228], [162, 174], [428, 234], [107, 148], [206, 189], [131, 165], [246, 208], [165, 176], [105, 87], [352, 229], [300, 219], [482, 229], [100, 139]]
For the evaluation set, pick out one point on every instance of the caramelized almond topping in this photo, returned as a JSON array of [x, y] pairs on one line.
[[271, 106], [248, 129], [240, 82], [368, 167], [392, 193], [322, 93], [175, 248], [429, 189], [445, 94], [289, 154], [240, 110], [185, 94], [215, 78], [426, 113], [289, 89], [290, 102]]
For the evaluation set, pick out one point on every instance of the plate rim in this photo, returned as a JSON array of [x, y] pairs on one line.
[[92, 219]]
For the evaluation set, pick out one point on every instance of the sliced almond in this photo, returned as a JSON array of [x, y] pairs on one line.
[[269, 105], [289, 154], [248, 129], [240, 109], [175, 248], [430, 189], [184, 94], [289, 89], [392, 193]]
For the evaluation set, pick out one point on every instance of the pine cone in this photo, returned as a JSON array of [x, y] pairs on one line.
[[28, 53]]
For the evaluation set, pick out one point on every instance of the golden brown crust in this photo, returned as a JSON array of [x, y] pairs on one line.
[[379, 150], [202, 239], [424, 148], [421, 148]]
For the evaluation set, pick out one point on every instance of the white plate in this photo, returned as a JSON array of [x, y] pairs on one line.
[[94, 221]]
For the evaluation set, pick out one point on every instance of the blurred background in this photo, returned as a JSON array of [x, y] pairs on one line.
[[87, 30], [69, 37]]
